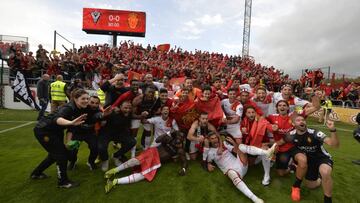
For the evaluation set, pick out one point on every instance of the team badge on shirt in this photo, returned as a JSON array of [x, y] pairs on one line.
[[309, 140], [46, 139]]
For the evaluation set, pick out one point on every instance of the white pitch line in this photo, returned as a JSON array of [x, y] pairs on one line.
[[13, 128], [321, 126], [14, 121]]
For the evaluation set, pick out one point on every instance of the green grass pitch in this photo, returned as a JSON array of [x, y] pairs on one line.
[[20, 153]]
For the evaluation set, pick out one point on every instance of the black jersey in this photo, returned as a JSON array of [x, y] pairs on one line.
[[150, 106], [117, 123], [202, 130], [88, 127], [311, 143]]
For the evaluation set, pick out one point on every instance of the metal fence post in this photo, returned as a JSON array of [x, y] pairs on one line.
[[2, 72]]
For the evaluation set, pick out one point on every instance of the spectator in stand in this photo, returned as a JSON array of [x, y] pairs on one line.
[[334, 94], [353, 96], [319, 76], [41, 57], [43, 94], [327, 89], [16, 61]]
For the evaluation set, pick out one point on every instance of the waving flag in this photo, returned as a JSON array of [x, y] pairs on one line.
[[177, 81], [134, 75], [163, 47], [185, 114], [22, 91], [213, 108]]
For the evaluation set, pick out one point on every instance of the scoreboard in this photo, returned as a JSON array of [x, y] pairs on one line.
[[114, 22]]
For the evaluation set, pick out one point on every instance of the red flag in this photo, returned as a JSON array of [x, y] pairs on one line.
[[213, 108], [134, 75], [185, 114], [256, 130], [177, 81], [163, 47]]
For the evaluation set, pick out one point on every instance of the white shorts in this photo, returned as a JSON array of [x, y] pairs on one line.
[[234, 130], [239, 167], [136, 123], [192, 148]]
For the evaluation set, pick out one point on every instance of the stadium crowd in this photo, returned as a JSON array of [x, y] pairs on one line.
[[227, 110], [93, 64]]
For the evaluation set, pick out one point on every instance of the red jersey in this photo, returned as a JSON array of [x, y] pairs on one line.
[[285, 126]]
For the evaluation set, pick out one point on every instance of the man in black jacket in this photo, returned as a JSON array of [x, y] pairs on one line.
[[43, 94], [117, 129]]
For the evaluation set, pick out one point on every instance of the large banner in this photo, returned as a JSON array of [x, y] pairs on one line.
[[345, 115], [22, 91], [104, 21]]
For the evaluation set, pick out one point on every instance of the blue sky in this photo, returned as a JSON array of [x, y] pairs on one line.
[[289, 34]]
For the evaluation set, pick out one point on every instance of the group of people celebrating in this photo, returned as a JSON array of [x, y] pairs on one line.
[[225, 123]]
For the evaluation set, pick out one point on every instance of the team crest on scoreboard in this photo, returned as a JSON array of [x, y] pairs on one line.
[[133, 20], [95, 16]]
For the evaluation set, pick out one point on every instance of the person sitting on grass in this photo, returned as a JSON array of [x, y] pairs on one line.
[[150, 160], [235, 167]]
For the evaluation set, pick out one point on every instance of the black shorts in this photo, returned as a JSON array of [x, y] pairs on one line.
[[312, 173], [283, 158]]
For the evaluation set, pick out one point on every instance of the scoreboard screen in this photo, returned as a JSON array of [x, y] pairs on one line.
[[104, 21]]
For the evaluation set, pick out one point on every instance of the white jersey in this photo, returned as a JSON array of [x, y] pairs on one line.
[[293, 101], [161, 127], [232, 129], [229, 110], [227, 161]]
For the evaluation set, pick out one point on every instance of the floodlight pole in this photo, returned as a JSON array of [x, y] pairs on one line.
[[246, 31]]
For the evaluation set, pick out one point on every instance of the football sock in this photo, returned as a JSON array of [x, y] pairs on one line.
[[133, 178]]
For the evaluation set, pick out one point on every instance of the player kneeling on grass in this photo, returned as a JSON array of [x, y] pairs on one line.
[[198, 136], [319, 162], [150, 160], [235, 167]]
